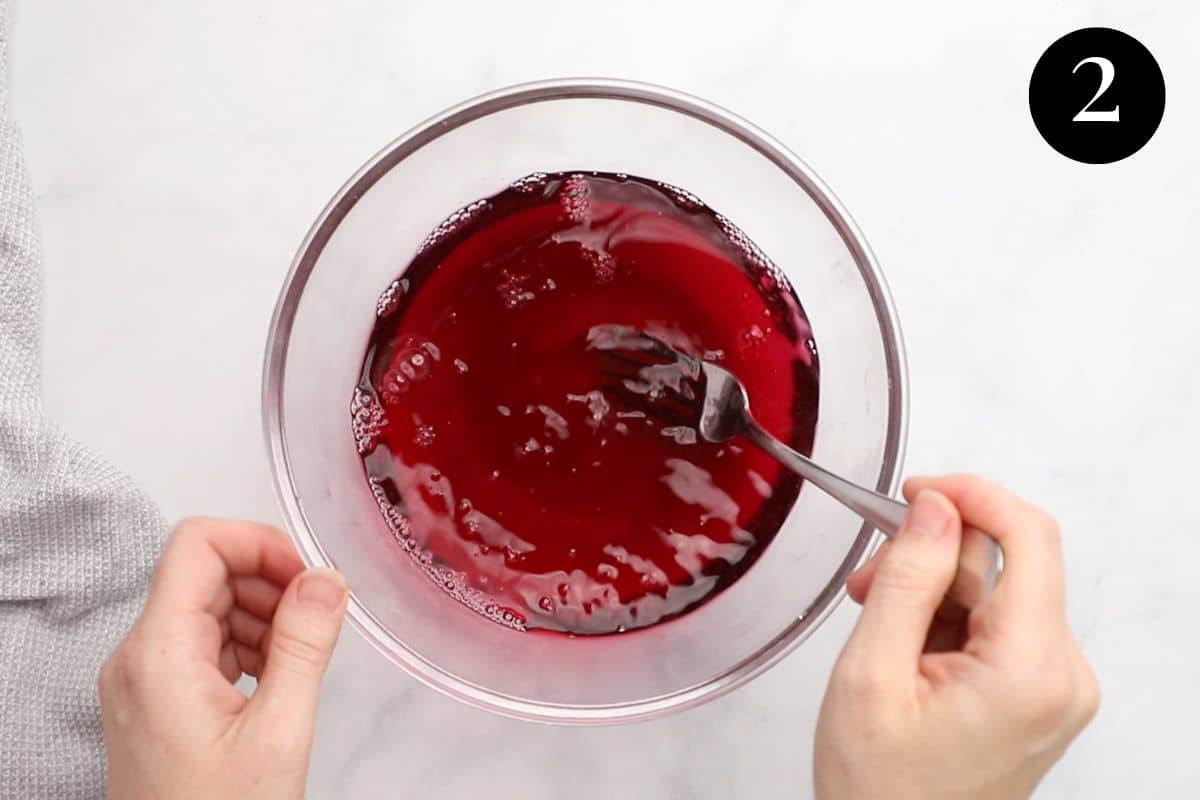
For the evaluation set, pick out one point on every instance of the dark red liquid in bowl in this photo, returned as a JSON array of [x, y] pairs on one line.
[[514, 480]]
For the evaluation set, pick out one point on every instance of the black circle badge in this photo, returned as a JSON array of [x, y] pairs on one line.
[[1097, 95]]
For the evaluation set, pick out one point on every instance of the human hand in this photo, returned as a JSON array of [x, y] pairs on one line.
[[227, 598], [928, 704]]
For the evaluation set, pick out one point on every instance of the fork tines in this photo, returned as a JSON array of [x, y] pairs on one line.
[[647, 375]]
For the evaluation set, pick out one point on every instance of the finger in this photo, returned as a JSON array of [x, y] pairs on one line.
[[201, 557], [908, 586], [249, 660], [859, 583], [257, 595], [944, 637], [303, 634], [247, 629], [1086, 698], [1032, 584], [974, 564], [976, 569], [227, 662]]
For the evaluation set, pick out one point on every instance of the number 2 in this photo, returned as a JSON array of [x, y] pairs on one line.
[[1107, 73]]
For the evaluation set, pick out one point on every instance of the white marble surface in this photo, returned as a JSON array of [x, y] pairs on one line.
[[179, 152]]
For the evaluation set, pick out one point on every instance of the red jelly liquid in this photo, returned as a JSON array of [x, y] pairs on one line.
[[529, 492]]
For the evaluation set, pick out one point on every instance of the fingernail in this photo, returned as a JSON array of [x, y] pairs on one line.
[[321, 589], [930, 514]]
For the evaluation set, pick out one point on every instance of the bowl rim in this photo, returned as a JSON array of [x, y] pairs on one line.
[[275, 363]]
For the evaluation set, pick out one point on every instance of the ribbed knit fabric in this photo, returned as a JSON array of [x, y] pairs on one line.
[[77, 539]]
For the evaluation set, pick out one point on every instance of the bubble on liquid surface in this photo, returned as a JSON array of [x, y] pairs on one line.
[[770, 278], [513, 290], [530, 183], [391, 297], [750, 339], [367, 420], [604, 265], [424, 436], [575, 197], [453, 224], [454, 583], [682, 197], [738, 238], [411, 363]]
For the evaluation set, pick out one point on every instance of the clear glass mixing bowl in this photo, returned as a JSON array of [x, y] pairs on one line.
[[364, 239]]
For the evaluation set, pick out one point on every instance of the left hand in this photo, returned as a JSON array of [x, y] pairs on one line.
[[228, 598]]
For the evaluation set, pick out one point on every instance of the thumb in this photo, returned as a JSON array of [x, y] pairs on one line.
[[910, 582], [303, 632]]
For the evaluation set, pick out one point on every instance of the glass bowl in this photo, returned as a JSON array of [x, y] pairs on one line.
[[366, 236]]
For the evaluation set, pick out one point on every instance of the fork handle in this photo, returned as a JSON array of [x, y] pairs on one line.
[[980, 558]]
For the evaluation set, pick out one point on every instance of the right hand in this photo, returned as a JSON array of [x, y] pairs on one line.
[[928, 706]]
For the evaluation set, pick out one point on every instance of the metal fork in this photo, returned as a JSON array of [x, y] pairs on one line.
[[648, 374]]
